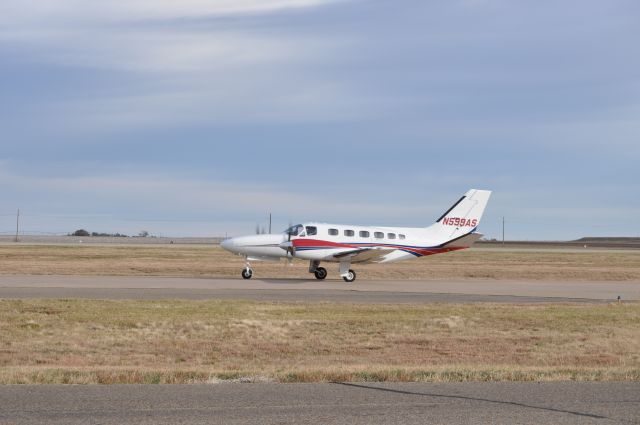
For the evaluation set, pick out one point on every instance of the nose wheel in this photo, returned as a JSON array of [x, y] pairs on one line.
[[247, 272], [350, 276]]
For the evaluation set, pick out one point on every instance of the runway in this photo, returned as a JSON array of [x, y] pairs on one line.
[[150, 288], [329, 403]]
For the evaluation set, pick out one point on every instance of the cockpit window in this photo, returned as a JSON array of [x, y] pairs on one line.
[[312, 230], [294, 230]]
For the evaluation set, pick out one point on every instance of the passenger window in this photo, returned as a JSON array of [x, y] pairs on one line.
[[333, 232], [349, 233], [364, 234], [391, 235], [379, 235], [312, 230], [402, 236]]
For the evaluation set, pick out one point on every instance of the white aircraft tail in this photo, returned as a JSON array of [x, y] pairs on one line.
[[461, 219]]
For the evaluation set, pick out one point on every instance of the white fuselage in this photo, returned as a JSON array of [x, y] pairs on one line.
[[323, 242]]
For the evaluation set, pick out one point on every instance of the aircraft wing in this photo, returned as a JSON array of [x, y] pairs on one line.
[[463, 241], [365, 255]]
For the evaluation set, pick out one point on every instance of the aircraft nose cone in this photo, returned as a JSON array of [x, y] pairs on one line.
[[227, 244], [286, 245]]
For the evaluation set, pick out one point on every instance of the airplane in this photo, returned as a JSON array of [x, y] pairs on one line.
[[347, 245]]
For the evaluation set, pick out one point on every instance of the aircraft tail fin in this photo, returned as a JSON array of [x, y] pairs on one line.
[[463, 217]]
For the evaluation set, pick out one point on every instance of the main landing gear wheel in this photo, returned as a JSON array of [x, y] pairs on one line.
[[350, 277], [247, 273], [321, 273]]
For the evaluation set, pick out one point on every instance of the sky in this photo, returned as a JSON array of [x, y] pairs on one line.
[[199, 118]]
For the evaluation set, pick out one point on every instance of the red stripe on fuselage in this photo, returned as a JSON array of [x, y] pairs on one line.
[[318, 243]]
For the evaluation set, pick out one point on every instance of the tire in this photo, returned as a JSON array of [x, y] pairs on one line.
[[321, 273], [247, 273], [350, 277]]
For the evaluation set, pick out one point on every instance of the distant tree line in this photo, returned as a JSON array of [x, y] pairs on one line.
[[85, 233]]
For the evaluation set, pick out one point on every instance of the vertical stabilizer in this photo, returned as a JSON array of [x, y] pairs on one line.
[[462, 218]]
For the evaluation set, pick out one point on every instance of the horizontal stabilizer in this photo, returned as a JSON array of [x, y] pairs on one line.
[[463, 241]]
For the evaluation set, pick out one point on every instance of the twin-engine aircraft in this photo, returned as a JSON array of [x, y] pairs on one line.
[[347, 245]]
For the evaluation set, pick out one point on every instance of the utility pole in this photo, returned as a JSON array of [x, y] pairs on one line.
[[269, 223], [17, 224], [503, 230]]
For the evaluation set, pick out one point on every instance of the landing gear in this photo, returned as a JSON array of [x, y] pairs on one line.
[[321, 273], [247, 273], [350, 276], [345, 271]]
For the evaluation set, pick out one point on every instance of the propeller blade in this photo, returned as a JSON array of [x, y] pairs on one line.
[[288, 246]]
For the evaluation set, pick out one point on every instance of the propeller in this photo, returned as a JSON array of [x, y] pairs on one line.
[[288, 246]]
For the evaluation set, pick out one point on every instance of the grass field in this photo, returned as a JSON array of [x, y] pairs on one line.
[[92, 341], [196, 260], [101, 341]]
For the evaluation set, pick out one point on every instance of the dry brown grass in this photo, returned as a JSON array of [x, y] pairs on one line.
[[189, 260], [90, 341]]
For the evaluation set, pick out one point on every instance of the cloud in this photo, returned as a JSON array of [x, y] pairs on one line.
[[173, 72], [132, 36], [79, 13]]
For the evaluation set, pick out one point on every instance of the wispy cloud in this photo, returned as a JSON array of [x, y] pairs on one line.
[[182, 72], [52, 13], [132, 35]]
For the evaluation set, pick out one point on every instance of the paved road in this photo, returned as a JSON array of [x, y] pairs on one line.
[[123, 287], [399, 403]]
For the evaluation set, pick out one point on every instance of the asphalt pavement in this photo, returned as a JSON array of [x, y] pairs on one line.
[[381, 291], [327, 403]]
